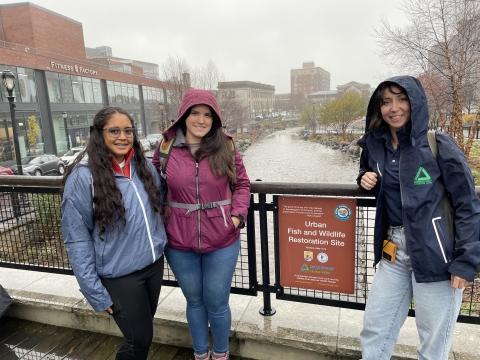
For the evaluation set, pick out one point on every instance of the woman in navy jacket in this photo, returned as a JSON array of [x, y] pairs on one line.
[[113, 230], [425, 207]]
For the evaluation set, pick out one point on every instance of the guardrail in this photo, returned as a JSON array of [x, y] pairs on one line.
[[30, 238]]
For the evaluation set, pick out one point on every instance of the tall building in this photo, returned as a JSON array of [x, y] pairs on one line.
[[46, 53], [307, 80]]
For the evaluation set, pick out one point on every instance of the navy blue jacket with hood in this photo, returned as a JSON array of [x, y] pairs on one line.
[[436, 248]]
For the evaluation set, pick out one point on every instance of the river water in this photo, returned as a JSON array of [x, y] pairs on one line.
[[284, 157]]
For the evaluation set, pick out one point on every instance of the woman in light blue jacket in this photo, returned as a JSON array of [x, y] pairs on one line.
[[113, 229]]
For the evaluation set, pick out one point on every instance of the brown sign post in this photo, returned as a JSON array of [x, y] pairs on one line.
[[317, 243]]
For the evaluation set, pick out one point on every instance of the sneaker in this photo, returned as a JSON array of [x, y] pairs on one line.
[[204, 356], [220, 356]]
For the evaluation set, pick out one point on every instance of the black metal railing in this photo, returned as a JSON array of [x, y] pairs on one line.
[[30, 238]]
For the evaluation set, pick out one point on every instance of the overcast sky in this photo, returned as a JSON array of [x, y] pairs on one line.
[[254, 40]]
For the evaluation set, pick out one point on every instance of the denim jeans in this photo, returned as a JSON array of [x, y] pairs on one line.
[[437, 305], [205, 280]]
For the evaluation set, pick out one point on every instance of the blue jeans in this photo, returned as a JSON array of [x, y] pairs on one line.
[[205, 280], [437, 305]]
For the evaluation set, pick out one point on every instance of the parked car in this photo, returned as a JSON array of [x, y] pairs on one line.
[[5, 171], [154, 140], [41, 165], [145, 144], [71, 155]]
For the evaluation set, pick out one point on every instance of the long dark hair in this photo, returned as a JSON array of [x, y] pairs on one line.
[[108, 201], [377, 118], [216, 146]]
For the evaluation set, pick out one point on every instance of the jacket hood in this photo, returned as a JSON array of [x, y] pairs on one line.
[[418, 105], [191, 98]]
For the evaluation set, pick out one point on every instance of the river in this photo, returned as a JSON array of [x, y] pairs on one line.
[[284, 157]]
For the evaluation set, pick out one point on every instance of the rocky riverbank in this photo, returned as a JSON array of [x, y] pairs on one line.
[[244, 140], [351, 148]]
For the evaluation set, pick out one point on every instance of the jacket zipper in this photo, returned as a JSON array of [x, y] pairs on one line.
[[144, 218], [198, 211], [378, 169], [438, 239]]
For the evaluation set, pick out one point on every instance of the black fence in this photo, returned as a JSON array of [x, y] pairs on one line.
[[31, 239]]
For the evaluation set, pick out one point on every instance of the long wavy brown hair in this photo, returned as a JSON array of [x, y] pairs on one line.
[[216, 146], [108, 201]]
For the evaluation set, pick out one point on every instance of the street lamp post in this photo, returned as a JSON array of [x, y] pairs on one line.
[[314, 123], [8, 80], [65, 125]]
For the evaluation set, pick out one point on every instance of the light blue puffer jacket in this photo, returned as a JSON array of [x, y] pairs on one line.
[[122, 251]]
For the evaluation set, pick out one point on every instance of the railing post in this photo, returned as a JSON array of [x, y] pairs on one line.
[[251, 247], [267, 309]]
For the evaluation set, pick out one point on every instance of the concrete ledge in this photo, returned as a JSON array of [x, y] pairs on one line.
[[296, 331]]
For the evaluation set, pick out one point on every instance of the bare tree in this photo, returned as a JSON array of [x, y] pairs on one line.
[[235, 113], [440, 39], [207, 77], [175, 71]]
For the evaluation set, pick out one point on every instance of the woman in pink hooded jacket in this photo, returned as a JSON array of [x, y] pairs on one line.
[[207, 202]]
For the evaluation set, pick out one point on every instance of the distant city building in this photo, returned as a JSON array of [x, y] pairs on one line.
[[307, 80], [104, 55], [46, 53], [283, 102], [259, 98], [323, 97]]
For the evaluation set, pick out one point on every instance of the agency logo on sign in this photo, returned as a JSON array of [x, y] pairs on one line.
[[322, 257], [308, 255], [343, 212], [304, 268]]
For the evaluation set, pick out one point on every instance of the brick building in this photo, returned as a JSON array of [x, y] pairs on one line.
[[46, 52], [307, 80]]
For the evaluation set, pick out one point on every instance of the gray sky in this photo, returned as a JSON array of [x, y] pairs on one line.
[[255, 40]]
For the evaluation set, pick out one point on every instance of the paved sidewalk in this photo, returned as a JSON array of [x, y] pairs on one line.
[[296, 331]]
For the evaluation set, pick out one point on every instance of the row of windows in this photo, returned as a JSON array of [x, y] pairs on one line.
[[64, 88], [151, 94], [122, 93], [30, 134]]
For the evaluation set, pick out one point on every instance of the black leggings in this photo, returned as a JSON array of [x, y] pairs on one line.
[[135, 299]]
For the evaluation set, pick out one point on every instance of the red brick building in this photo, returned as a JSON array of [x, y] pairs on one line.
[[46, 52]]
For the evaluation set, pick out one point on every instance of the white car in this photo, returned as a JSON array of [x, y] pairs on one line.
[[71, 154], [154, 140], [145, 144]]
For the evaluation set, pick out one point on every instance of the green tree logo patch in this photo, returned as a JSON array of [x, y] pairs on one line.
[[422, 177]]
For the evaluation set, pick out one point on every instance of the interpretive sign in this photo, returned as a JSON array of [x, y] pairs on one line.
[[317, 243]]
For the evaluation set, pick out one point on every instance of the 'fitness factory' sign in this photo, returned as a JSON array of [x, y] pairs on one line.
[[72, 68]]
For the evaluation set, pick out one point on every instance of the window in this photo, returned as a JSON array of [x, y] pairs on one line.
[[53, 85], [26, 84], [118, 93], [88, 90], [66, 88], [77, 87], [111, 92], [97, 91]]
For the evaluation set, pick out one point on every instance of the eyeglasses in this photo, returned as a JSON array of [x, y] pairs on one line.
[[114, 132]]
